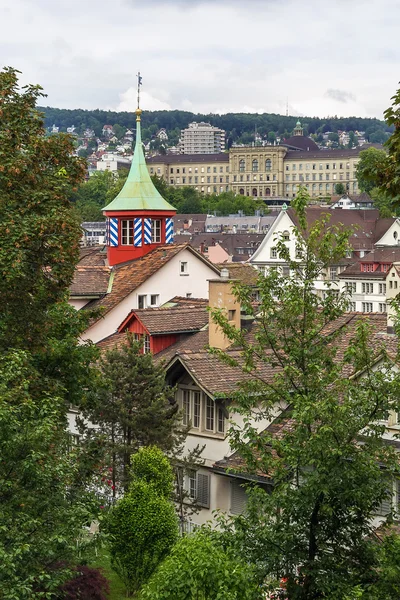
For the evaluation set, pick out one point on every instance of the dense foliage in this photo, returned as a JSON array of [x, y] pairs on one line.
[[329, 465], [103, 187], [142, 527], [239, 127], [199, 567], [44, 484], [382, 171]]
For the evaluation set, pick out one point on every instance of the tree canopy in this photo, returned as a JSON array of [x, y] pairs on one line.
[[329, 469], [44, 483]]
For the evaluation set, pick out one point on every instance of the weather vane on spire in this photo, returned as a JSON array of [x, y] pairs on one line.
[[139, 83]]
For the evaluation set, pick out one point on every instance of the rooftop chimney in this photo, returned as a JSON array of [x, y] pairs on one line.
[[221, 296]]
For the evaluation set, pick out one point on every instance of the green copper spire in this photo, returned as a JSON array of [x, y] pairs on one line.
[[139, 192]]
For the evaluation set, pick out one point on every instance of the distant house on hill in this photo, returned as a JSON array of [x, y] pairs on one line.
[[107, 131], [363, 201]]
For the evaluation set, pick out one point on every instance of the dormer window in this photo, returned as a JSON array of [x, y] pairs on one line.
[[367, 267]]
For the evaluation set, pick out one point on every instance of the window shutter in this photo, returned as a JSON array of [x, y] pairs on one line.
[[386, 505], [169, 231], [113, 232], [238, 498], [137, 232], [147, 231], [203, 490]]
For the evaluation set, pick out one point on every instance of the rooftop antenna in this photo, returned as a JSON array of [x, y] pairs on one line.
[[287, 106], [139, 83]]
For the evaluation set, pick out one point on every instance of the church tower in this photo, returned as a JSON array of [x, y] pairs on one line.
[[138, 219]]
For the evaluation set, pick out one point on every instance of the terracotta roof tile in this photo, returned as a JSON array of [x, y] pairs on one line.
[[90, 281], [368, 227], [245, 273], [183, 301], [112, 342], [384, 254], [130, 275], [172, 320], [93, 256]]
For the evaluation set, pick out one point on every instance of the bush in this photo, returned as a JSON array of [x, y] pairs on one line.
[[142, 526], [88, 584]]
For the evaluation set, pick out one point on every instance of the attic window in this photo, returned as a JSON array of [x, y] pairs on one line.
[[395, 235]]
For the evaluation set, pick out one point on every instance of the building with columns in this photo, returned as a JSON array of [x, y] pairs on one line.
[[264, 171]]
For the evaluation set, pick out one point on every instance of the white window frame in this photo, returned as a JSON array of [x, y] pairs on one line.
[[142, 299], [126, 232], [183, 267], [156, 230], [195, 406], [157, 299]]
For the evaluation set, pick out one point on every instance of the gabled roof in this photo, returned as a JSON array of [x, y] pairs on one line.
[[126, 277], [160, 321], [139, 192], [368, 227], [216, 377]]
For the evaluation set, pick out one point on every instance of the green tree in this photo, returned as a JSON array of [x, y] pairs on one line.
[[370, 167], [316, 522], [142, 527], [93, 195], [384, 171], [43, 485], [353, 141], [43, 368], [340, 189], [199, 567], [133, 407], [36, 175], [119, 131]]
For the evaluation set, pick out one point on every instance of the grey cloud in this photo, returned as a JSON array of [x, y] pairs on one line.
[[340, 95]]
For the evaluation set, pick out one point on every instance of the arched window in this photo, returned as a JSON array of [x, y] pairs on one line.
[[241, 165], [241, 191], [254, 166], [286, 236], [267, 191], [320, 187], [268, 164], [314, 187], [254, 192]]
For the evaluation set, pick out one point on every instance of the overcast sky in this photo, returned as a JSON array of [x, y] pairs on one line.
[[327, 57]]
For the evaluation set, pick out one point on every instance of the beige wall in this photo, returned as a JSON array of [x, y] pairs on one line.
[[257, 171], [221, 297], [206, 177], [248, 173], [320, 175]]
